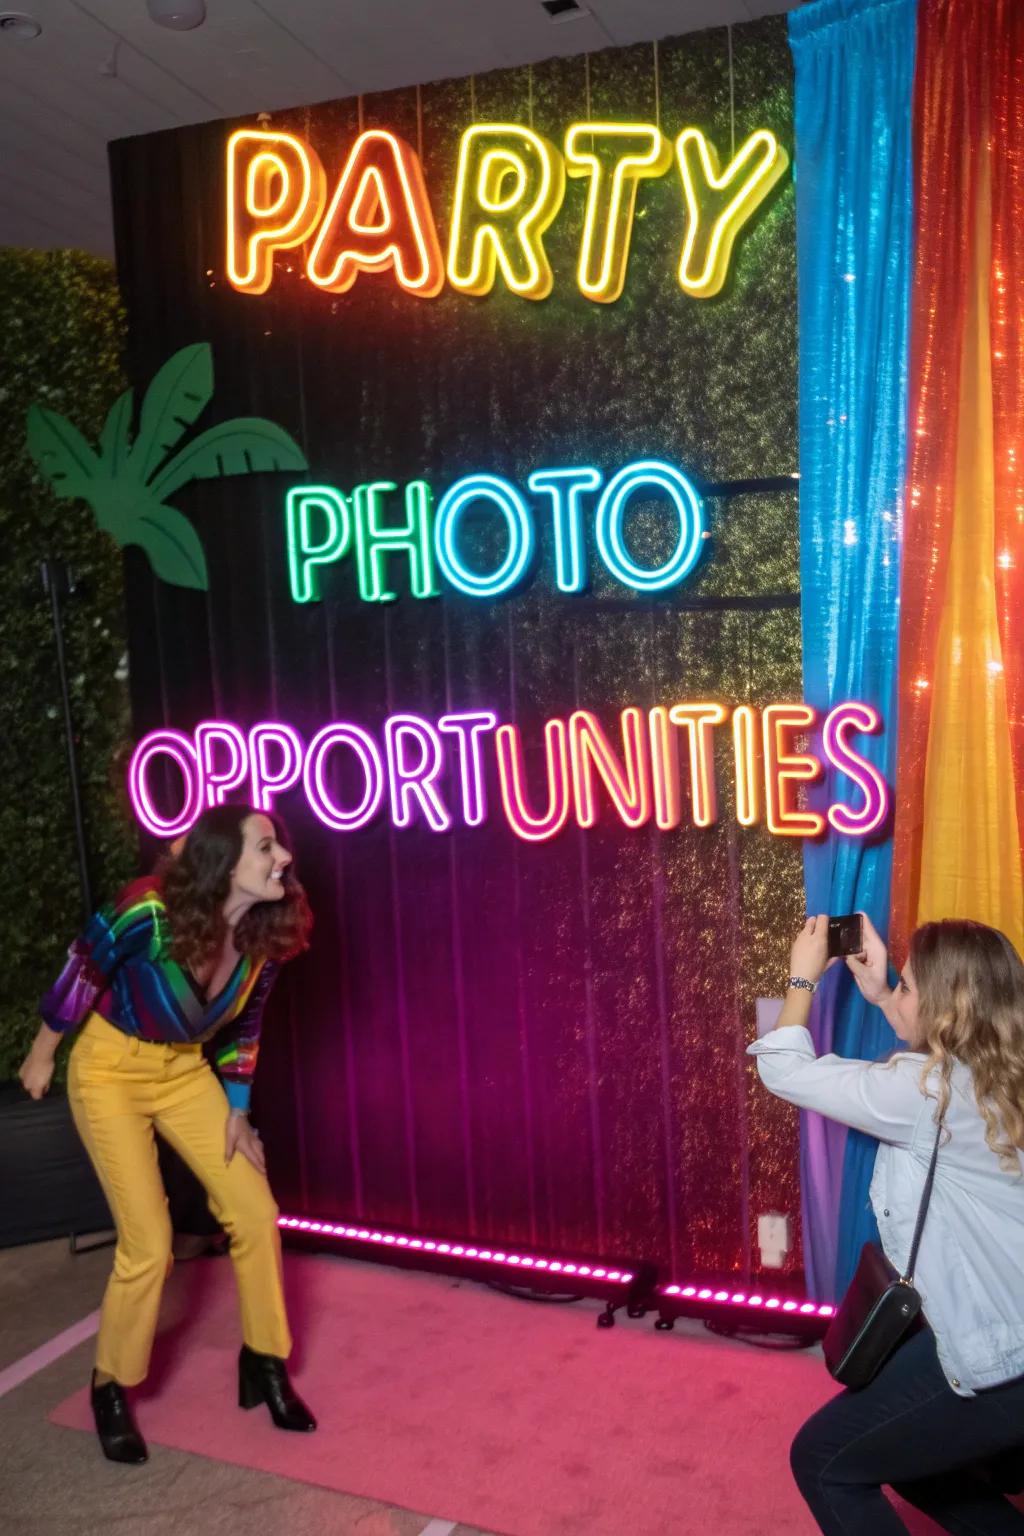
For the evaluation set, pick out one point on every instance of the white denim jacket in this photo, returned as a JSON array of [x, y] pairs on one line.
[[970, 1265]]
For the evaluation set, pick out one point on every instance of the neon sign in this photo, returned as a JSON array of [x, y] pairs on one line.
[[379, 220], [615, 157], [433, 773], [323, 525], [719, 203], [510, 185]]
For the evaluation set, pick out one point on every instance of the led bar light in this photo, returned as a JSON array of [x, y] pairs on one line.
[[745, 1308], [619, 1284]]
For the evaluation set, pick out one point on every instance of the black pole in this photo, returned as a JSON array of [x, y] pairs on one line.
[[57, 582]]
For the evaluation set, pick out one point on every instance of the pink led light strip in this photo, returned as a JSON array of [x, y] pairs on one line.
[[370, 1235], [741, 1299]]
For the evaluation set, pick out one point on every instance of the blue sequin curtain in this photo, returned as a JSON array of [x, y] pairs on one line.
[[854, 75]]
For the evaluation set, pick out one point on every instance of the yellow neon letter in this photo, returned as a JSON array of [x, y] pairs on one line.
[[508, 188], [744, 740], [718, 205], [276, 191], [699, 720], [379, 217], [615, 156]]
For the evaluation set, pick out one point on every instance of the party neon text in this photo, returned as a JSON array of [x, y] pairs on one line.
[[509, 187]]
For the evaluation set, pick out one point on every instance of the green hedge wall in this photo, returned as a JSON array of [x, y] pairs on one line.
[[61, 337]]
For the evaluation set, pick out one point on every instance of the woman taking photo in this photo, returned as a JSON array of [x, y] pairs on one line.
[[178, 958], [951, 1397]]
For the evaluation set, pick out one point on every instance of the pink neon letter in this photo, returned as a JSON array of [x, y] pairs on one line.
[[314, 776], [415, 780], [267, 783], [184, 754], [668, 811], [629, 789], [468, 728], [534, 829], [855, 717], [217, 783]]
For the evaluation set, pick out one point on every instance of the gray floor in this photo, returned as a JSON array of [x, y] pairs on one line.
[[56, 1482]]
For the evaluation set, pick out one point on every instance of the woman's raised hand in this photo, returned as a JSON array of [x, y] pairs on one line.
[[809, 954], [870, 968]]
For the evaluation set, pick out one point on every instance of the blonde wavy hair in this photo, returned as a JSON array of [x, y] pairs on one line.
[[970, 985]]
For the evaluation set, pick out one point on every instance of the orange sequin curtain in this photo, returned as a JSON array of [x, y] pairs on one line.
[[960, 780], [1007, 133]]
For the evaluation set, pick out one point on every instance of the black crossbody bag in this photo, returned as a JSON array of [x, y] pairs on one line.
[[880, 1307]]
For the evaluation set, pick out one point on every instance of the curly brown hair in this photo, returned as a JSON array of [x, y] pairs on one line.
[[197, 883], [970, 984]]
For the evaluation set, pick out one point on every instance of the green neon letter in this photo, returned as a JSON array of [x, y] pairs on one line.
[[413, 538], [304, 553]]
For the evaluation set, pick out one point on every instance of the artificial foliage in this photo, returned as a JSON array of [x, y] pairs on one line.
[[61, 337], [127, 481]]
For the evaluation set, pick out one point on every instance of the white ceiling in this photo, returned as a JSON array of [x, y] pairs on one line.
[[102, 70]]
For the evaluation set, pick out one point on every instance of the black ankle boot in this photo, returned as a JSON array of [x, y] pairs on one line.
[[264, 1379], [118, 1432]]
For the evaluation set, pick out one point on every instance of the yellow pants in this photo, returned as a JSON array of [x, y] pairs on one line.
[[121, 1089]]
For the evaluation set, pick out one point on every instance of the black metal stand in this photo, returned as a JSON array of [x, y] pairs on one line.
[[57, 583]]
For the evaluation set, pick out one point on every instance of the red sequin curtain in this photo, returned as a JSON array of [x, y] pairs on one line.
[[969, 162]]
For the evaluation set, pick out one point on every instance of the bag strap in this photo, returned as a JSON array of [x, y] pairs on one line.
[[908, 1278]]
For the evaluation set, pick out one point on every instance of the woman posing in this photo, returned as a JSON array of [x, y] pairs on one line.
[[177, 958], [950, 1400]]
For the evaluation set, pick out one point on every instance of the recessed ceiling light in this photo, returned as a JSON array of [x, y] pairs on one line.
[[17, 24], [179, 15]]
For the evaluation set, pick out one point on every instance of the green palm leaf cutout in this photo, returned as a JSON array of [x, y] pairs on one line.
[[172, 545], [237, 447], [114, 437], [60, 452], [175, 398]]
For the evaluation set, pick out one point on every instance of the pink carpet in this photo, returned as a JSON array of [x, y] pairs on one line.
[[457, 1402]]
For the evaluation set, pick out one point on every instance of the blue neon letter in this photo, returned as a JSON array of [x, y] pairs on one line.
[[510, 504]]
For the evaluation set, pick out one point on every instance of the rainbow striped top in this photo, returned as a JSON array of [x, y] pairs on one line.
[[122, 968]]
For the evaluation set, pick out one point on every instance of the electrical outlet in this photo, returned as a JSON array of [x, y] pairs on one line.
[[773, 1239]]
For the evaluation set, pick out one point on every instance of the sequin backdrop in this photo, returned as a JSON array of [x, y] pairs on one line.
[[534, 1043]]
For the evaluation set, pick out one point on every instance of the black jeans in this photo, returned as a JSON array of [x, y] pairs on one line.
[[908, 1428]]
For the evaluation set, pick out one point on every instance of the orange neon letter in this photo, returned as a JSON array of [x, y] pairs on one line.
[[275, 195], [379, 217], [782, 768], [744, 740]]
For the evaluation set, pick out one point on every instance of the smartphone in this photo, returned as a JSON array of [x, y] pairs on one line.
[[845, 935]]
